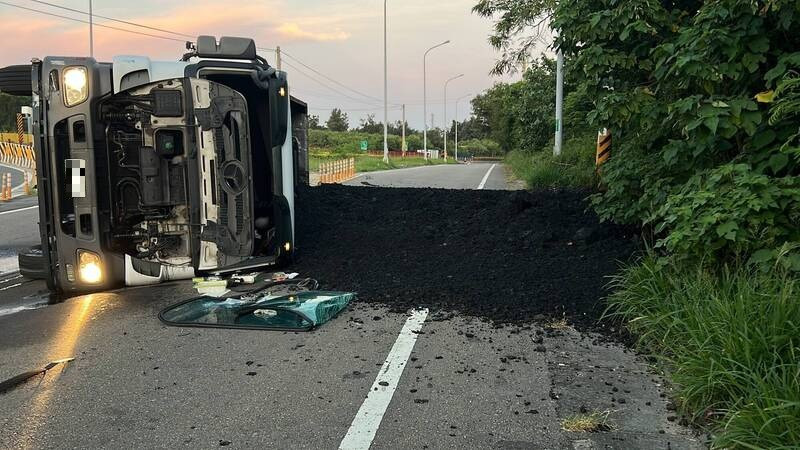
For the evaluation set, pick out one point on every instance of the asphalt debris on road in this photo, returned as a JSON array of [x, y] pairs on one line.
[[510, 257]]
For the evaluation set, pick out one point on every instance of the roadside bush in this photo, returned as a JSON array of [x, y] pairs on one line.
[[541, 170], [703, 99], [731, 339], [480, 147], [345, 143]]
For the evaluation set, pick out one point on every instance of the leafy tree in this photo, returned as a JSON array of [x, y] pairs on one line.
[[313, 122], [9, 107], [369, 125], [338, 121], [687, 87], [520, 27]]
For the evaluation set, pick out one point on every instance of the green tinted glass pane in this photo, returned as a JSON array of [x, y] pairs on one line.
[[298, 311]]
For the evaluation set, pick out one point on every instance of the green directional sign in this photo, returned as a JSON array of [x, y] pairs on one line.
[[364, 146]]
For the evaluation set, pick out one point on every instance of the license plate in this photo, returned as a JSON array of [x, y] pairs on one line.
[[76, 177]]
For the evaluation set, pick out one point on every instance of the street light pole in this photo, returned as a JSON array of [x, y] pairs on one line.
[[446, 125], [91, 30], [403, 145], [458, 100], [385, 89], [559, 103], [425, 95]]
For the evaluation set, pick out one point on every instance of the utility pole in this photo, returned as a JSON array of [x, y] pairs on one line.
[[458, 100], [385, 89], [404, 145], [445, 112], [91, 30], [559, 103], [425, 96], [278, 57]]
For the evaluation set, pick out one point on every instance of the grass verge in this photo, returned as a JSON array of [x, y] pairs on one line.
[[542, 170], [729, 338], [365, 163], [587, 423]]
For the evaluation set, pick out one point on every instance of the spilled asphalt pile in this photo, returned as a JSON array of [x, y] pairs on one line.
[[511, 257]]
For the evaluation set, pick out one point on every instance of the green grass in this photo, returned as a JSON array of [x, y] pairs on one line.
[[366, 163], [730, 340], [542, 170]]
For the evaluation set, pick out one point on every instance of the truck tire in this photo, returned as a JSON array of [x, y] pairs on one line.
[[32, 263], [16, 80]]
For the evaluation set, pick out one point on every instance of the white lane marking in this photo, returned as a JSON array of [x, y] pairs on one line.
[[22, 171], [486, 177], [18, 309], [9, 264], [368, 419], [18, 210]]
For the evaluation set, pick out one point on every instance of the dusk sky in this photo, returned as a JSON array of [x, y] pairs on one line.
[[342, 39]]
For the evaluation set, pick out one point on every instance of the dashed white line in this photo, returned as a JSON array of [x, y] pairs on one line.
[[486, 177], [368, 419], [18, 210]]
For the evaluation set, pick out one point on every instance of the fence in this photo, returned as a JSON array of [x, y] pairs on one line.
[[337, 171]]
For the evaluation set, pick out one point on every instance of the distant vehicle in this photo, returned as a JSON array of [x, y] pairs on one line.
[[151, 171]]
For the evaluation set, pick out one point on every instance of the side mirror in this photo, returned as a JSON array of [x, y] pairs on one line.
[[279, 108]]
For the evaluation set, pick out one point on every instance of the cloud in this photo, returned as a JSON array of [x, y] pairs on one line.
[[292, 31]]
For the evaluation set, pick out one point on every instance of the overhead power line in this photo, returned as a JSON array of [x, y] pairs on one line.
[[115, 20], [86, 22], [333, 89], [367, 99], [373, 99]]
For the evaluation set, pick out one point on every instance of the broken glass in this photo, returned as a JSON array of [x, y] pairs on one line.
[[297, 311]]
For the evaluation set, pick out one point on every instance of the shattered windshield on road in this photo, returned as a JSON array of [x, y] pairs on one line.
[[297, 311]]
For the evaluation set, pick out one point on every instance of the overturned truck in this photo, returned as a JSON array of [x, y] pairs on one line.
[[151, 171]]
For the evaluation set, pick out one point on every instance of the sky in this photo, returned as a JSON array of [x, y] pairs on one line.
[[343, 39]]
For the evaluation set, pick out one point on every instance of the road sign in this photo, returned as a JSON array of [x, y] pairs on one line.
[[364, 146]]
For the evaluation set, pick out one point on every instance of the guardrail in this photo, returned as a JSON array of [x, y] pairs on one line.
[[337, 171], [17, 155]]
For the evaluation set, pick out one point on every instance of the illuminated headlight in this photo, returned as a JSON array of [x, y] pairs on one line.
[[76, 85], [90, 269]]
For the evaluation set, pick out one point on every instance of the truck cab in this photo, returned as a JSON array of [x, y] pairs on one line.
[[152, 171]]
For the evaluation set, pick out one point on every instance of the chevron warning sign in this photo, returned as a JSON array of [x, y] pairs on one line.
[[603, 147]]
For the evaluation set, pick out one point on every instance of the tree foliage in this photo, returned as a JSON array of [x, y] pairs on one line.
[[338, 121], [9, 107], [702, 98]]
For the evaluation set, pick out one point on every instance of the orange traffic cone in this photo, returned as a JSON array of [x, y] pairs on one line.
[[3, 195], [8, 187], [26, 185]]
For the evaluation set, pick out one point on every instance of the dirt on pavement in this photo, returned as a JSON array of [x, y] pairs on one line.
[[511, 257]]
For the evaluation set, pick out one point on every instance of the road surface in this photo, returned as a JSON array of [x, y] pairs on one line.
[[461, 176], [368, 379]]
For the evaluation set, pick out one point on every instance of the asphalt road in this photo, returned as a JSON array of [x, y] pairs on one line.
[[461, 176], [463, 383]]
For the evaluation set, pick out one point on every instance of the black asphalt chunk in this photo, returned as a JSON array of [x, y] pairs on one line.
[[509, 257]]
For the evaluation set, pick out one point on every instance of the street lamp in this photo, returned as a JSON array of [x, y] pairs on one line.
[[425, 95], [385, 90], [446, 125], [458, 100]]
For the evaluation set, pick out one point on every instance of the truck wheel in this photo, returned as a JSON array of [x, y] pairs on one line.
[[16, 80], [32, 263]]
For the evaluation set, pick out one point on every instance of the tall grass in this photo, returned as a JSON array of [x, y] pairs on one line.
[[573, 168], [731, 340]]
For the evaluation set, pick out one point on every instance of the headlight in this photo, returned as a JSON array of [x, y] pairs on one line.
[[76, 85], [90, 268]]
